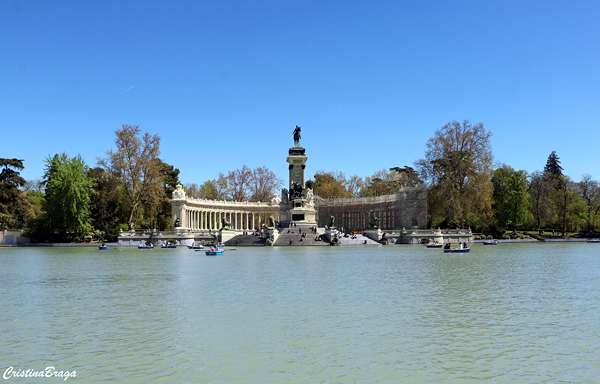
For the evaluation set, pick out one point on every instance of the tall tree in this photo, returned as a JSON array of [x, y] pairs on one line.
[[170, 180], [553, 165], [458, 163], [263, 184], [540, 192], [239, 183], [133, 165], [354, 185], [511, 200], [68, 194], [589, 191], [106, 208], [329, 185], [570, 207], [13, 203]]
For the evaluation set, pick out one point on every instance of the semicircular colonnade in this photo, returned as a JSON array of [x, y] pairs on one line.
[[200, 214]]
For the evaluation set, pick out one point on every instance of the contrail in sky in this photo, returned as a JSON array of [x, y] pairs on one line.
[[127, 89]]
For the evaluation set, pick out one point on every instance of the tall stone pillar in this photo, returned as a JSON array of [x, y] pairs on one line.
[[300, 204]]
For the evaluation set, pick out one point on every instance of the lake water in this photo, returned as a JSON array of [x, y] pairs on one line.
[[512, 313]]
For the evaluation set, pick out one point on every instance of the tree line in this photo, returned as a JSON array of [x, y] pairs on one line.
[[132, 186]]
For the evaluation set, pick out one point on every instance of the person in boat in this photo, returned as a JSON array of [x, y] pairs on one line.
[[447, 246], [465, 245], [460, 246]]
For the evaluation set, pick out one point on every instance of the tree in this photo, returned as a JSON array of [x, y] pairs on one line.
[[457, 164], [170, 180], [14, 206], [389, 183], [553, 165], [215, 189], [511, 200], [589, 191], [354, 185], [133, 165], [263, 184], [569, 205], [68, 194], [539, 194], [238, 182], [257, 184], [329, 185], [106, 210]]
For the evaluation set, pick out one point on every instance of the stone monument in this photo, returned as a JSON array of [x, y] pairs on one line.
[[297, 203]]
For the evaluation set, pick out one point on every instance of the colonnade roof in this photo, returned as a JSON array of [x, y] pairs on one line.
[[225, 203]]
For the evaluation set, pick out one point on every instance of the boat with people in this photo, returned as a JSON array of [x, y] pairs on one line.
[[594, 241], [196, 246], [104, 247], [457, 250], [462, 248], [146, 246], [169, 246], [215, 251]]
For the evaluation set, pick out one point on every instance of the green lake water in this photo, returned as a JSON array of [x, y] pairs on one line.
[[512, 313]]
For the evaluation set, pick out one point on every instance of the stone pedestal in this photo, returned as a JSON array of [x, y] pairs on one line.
[[298, 207], [374, 234], [228, 234]]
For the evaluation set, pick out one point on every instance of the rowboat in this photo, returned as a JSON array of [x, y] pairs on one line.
[[214, 253], [594, 241], [433, 245], [104, 248], [169, 246], [457, 250], [145, 246], [196, 246], [495, 242]]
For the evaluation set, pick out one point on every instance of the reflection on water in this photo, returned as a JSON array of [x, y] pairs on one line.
[[509, 313]]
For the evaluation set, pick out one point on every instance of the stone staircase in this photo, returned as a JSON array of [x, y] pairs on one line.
[[246, 241], [293, 237]]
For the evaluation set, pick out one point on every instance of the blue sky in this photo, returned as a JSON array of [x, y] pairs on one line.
[[224, 83]]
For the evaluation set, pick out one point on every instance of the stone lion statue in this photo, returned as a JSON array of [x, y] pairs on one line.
[[226, 225]]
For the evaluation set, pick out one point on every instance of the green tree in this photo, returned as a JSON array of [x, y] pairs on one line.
[[170, 180], [133, 165], [540, 192], [510, 198], [457, 168], [570, 207], [589, 190], [68, 194], [14, 206], [107, 210], [329, 185], [216, 189]]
